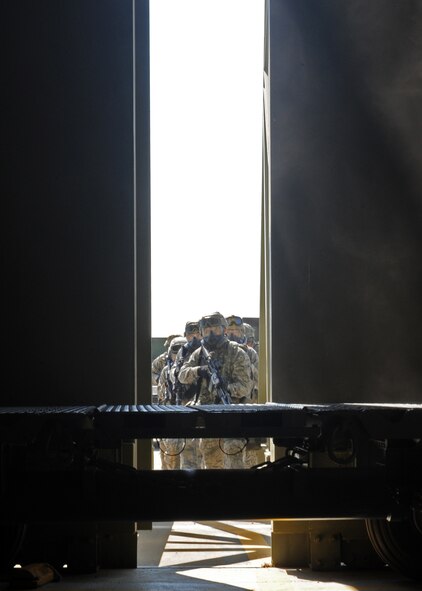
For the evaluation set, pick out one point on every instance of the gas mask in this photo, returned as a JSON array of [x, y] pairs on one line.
[[212, 340]]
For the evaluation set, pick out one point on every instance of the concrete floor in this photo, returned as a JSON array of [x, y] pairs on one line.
[[221, 556], [233, 579], [206, 544]]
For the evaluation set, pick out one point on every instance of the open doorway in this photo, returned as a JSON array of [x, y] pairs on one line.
[[206, 152], [206, 130]]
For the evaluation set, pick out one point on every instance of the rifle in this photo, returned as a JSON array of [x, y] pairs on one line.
[[216, 381]]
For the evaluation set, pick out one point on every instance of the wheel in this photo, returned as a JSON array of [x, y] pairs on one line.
[[399, 544]]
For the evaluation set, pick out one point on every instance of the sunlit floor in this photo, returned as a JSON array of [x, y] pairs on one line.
[[222, 556], [207, 544]]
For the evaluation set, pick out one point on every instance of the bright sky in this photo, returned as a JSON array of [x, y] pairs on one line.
[[206, 129]]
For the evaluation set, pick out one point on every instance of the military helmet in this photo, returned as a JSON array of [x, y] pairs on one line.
[[235, 322], [214, 319], [170, 338], [176, 344], [249, 331], [191, 327]]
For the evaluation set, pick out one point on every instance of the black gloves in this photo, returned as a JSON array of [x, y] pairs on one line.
[[203, 372]]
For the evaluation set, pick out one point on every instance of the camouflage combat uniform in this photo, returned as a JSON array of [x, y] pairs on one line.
[[157, 367], [235, 371], [191, 457], [253, 358], [170, 448], [163, 386], [236, 331], [160, 361], [250, 455]]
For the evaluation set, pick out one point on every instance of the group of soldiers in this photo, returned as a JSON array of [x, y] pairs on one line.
[[214, 362]]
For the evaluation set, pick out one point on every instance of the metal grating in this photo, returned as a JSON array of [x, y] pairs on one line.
[[43, 410], [285, 421]]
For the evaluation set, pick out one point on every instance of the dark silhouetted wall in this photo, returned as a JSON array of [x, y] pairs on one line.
[[346, 206], [69, 188]]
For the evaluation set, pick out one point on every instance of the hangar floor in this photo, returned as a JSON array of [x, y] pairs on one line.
[[221, 556]]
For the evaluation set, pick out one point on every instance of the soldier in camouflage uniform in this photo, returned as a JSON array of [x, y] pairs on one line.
[[236, 332], [160, 361], [250, 336], [170, 449], [191, 457], [234, 370], [184, 393]]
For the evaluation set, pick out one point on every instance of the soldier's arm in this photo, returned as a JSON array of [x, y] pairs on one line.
[[156, 367], [188, 373], [240, 385], [254, 358]]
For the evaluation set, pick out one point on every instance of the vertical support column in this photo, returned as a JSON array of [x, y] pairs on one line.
[[264, 393], [142, 230]]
